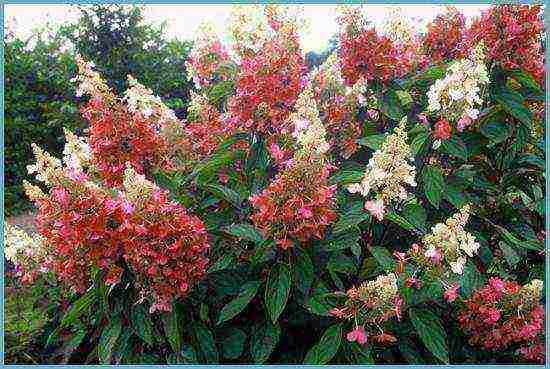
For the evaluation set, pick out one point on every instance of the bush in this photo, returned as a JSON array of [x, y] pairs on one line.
[[40, 69], [380, 209]]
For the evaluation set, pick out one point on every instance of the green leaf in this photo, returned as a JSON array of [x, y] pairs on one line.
[[471, 279], [454, 146], [415, 215], [170, 321], [246, 294], [232, 344], [400, 221], [360, 354], [277, 290], [346, 177], [342, 264], [222, 263], [390, 105], [433, 184], [526, 80], [349, 220], [327, 347], [303, 271], [141, 320], [512, 102], [263, 341], [419, 142], [108, 340], [534, 245], [373, 142], [78, 308], [454, 195], [206, 343], [431, 332], [511, 256], [225, 193], [383, 258], [246, 231], [496, 131]]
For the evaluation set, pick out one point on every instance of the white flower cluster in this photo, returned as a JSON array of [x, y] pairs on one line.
[[76, 153], [456, 96], [308, 128], [384, 287], [398, 27], [387, 173], [450, 242], [141, 99], [89, 81], [19, 246], [136, 187], [48, 169]]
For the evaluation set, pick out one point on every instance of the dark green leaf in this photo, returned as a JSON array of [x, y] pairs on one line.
[[373, 142], [246, 231], [277, 290], [232, 344], [327, 347], [454, 146], [170, 322], [263, 341], [206, 343], [108, 340], [434, 184], [246, 294], [431, 332], [303, 271], [384, 258]]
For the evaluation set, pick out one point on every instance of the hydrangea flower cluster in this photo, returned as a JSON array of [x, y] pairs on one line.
[[503, 314], [164, 245], [366, 54], [118, 135], [512, 35], [338, 105], [299, 203], [209, 59], [85, 227], [26, 252], [443, 39], [368, 306], [448, 243], [456, 96], [387, 173], [269, 82]]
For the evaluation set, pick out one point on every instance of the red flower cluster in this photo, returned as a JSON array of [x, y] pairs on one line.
[[442, 129], [80, 222], [85, 229], [165, 247], [364, 53], [503, 313], [208, 60], [443, 40], [117, 137], [513, 37], [297, 204], [268, 84]]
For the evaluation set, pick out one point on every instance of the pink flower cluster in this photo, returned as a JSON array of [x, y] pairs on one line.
[[502, 314], [299, 204], [117, 137], [443, 41], [366, 54], [513, 37], [85, 228], [268, 84]]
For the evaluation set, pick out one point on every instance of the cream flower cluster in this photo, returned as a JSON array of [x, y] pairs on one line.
[[136, 187], [387, 173], [250, 29], [141, 99], [456, 96], [89, 81], [19, 247], [77, 154], [383, 288], [308, 128], [450, 242], [47, 169], [399, 28], [532, 291], [329, 76]]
